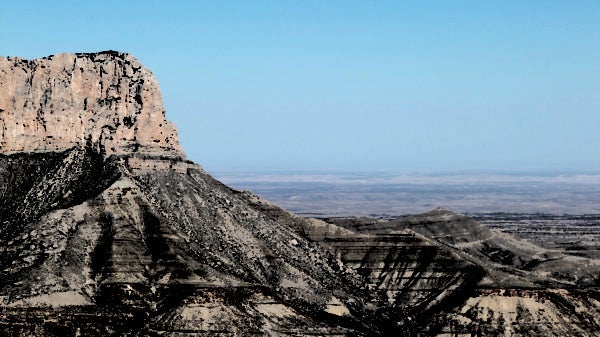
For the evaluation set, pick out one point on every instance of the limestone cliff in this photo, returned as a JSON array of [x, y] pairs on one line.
[[58, 102]]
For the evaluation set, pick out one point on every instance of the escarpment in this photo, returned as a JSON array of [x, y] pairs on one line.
[[67, 100]]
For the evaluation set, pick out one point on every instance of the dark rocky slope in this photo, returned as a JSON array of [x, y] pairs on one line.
[[181, 252], [526, 291], [158, 241]]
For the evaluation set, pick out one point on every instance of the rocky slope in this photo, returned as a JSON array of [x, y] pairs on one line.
[[171, 243], [108, 231], [526, 290]]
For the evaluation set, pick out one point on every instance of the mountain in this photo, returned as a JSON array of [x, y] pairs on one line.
[[107, 230], [526, 290]]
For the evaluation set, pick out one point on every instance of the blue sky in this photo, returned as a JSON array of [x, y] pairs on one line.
[[403, 86]]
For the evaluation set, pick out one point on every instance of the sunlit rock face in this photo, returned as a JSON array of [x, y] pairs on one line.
[[58, 102]]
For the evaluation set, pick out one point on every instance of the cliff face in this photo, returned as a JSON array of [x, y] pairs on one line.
[[58, 102]]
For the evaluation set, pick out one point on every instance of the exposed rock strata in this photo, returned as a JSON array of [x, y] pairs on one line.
[[173, 245], [58, 102], [527, 290]]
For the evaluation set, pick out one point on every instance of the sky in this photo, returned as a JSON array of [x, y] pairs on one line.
[[405, 86]]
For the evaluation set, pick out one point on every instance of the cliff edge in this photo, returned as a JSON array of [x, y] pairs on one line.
[[108, 99]]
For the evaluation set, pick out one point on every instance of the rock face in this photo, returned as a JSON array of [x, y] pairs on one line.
[[62, 101]]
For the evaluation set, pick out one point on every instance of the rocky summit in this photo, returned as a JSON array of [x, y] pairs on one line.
[[108, 231], [63, 101]]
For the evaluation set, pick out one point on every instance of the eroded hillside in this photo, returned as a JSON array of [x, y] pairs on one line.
[[527, 290]]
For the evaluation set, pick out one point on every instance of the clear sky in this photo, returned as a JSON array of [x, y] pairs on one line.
[[352, 85]]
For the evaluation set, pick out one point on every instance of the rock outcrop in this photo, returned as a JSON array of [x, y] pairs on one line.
[[108, 99]]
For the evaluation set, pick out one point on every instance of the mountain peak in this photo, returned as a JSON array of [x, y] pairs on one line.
[[66, 100]]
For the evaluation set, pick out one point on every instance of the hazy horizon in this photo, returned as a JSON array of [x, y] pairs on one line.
[[379, 193], [232, 171]]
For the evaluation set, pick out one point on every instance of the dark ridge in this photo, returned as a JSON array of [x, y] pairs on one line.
[[113, 53]]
